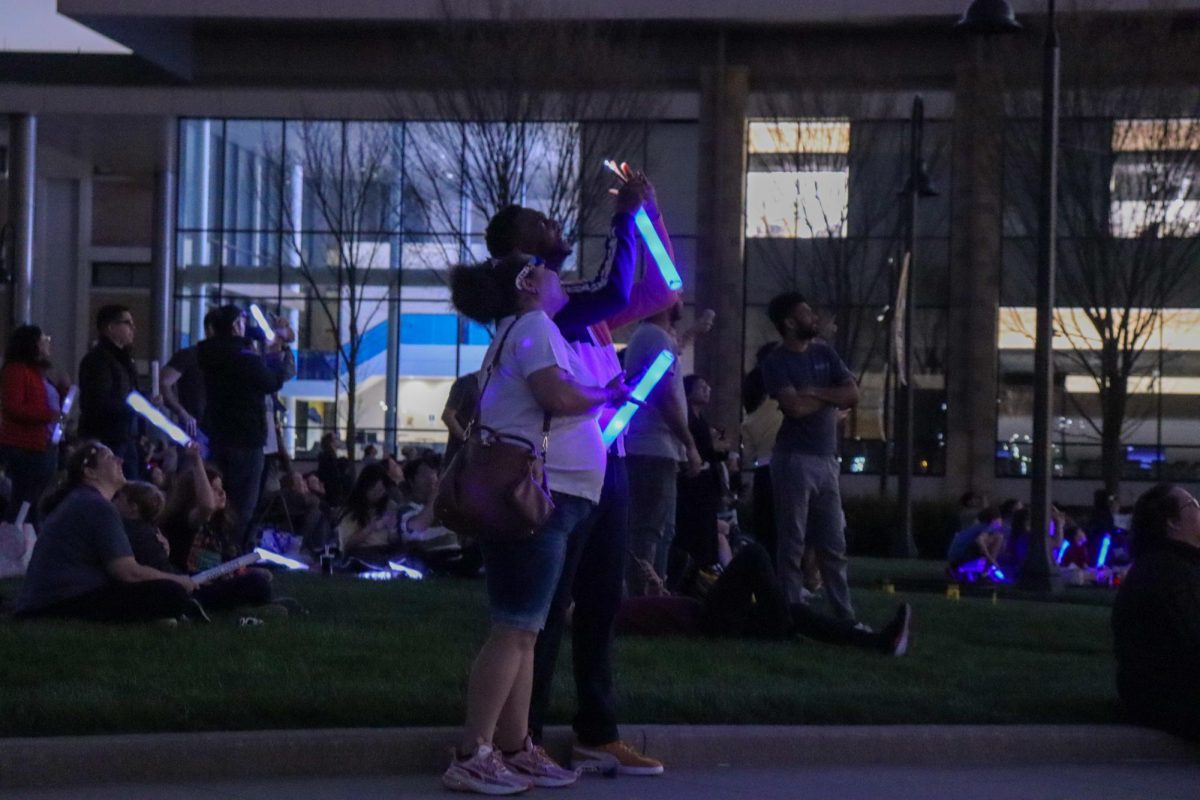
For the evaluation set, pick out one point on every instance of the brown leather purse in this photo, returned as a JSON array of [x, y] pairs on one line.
[[495, 486]]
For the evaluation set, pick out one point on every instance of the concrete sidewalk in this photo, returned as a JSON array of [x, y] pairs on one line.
[[356, 753], [871, 782]]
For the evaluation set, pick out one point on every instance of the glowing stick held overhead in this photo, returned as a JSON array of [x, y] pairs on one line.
[[658, 368], [144, 407], [1105, 543], [658, 251], [261, 319], [67, 402]]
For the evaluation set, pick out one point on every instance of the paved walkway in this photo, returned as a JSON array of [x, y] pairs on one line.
[[1158, 781]]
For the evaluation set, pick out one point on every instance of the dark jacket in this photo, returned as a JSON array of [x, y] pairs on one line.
[[106, 377], [1156, 636], [236, 379]]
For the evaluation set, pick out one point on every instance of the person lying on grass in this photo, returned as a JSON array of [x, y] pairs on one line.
[[83, 566], [746, 601], [142, 506]]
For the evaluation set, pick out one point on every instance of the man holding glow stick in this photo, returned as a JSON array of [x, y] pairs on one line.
[[237, 380], [593, 575], [659, 440]]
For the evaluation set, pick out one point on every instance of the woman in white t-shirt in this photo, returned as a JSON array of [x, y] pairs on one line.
[[534, 374]]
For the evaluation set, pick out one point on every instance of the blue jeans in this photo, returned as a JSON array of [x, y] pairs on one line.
[[522, 575], [593, 578], [652, 492], [32, 472]]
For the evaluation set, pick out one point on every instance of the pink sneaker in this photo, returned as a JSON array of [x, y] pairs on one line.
[[534, 763], [483, 773]]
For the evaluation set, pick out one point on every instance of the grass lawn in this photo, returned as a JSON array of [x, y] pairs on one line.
[[397, 654]]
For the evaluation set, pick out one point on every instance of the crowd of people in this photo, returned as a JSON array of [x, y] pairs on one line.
[[133, 522]]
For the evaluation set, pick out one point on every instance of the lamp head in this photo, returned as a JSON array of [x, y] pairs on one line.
[[988, 17]]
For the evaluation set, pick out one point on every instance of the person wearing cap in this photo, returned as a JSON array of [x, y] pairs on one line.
[[236, 380]]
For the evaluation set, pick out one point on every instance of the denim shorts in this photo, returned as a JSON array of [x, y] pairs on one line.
[[522, 576]]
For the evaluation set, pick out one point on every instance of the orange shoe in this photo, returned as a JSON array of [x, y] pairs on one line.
[[614, 758]]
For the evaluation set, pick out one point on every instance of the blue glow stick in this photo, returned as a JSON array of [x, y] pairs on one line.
[[68, 401], [658, 250], [653, 375], [1105, 543], [405, 570], [261, 319], [142, 406], [283, 561], [1062, 551]]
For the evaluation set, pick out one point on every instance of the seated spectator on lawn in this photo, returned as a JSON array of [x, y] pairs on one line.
[[367, 528], [977, 548], [1077, 554], [83, 566], [141, 505], [197, 521], [1156, 616], [398, 490], [747, 601], [423, 537], [969, 506]]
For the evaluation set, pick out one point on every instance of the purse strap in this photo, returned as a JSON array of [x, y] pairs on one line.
[[475, 418]]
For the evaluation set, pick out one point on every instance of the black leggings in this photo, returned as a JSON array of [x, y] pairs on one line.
[[747, 600], [121, 602]]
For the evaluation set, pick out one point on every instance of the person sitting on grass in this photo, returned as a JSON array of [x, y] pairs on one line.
[[1156, 615], [747, 601], [83, 566], [202, 533], [1076, 554], [141, 505], [423, 536], [978, 547], [367, 529]]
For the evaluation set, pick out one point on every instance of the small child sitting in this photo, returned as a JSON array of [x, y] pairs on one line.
[[141, 504]]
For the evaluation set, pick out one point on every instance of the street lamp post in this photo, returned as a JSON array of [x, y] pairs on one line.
[[916, 187], [995, 16]]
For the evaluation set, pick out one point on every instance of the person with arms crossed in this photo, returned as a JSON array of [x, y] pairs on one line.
[[811, 383]]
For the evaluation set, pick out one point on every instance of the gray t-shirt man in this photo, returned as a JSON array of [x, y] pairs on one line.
[[649, 434], [83, 534], [818, 367]]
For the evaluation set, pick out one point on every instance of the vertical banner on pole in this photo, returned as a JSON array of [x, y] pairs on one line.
[[898, 319]]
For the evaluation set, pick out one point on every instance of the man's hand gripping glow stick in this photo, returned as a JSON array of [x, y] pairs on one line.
[[658, 251], [658, 368], [142, 406], [259, 317], [68, 401]]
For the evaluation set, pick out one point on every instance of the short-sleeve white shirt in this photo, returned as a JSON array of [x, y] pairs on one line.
[[576, 458]]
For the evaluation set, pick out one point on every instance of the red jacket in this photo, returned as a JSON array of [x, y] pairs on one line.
[[25, 413]]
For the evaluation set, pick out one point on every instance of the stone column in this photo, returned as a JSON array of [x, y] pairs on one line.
[[975, 268], [23, 189], [162, 280], [720, 264]]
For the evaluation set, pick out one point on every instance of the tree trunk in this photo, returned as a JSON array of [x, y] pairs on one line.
[[1112, 452]]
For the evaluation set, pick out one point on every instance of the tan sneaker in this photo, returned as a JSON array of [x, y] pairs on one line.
[[614, 758]]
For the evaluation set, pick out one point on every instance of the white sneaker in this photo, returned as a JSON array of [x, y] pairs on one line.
[[483, 773], [534, 763]]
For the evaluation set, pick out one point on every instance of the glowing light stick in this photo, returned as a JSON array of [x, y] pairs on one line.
[[68, 401], [1062, 551], [998, 573], [283, 561], [261, 319], [1105, 543], [658, 368], [406, 571], [654, 244], [222, 570], [144, 407], [21, 515]]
